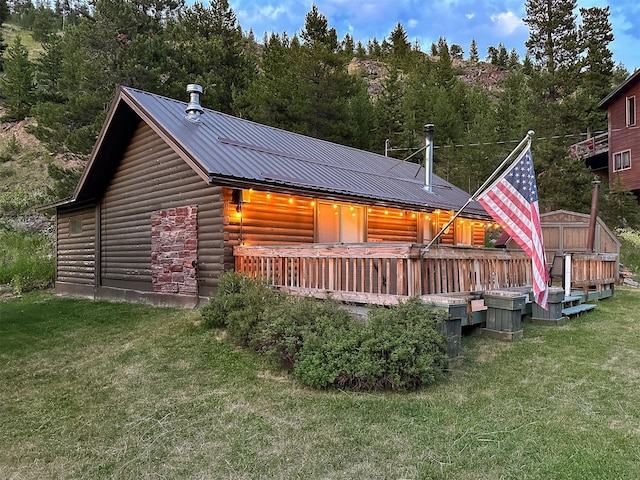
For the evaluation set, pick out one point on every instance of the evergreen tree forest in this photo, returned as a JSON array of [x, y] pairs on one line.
[[373, 94]]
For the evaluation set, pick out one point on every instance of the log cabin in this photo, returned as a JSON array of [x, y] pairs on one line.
[[174, 194]]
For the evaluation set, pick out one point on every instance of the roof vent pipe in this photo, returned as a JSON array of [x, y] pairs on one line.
[[194, 110], [428, 157]]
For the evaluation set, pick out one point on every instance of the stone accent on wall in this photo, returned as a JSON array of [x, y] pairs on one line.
[[174, 250]]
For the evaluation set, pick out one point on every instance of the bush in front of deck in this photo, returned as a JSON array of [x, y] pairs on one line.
[[238, 306], [398, 348]]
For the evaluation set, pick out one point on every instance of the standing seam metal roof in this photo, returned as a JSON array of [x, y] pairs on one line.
[[234, 148]]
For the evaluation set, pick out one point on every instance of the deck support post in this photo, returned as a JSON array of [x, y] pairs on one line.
[[451, 328], [504, 314], [553, 315]]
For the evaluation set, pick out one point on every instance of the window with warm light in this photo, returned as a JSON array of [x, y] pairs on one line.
[[428, 226], [464, 233], [340, 223]]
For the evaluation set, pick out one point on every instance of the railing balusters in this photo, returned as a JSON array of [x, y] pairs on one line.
[[399, 269]]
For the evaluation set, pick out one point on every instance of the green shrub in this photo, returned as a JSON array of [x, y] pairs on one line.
[[630, 249], [27, 261], [287, 323], [238, 305], [20, 200], [399, 347]]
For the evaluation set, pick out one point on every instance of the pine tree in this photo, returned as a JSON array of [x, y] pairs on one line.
[[316, 30], [373, 48], [444, 65], [389, 115], [348, 46], [323, 84], [48, 70], [618, 206], [400, 46], [514, 59], [270, 96], [473, 51], [595, 36], [209, 49], [456, 52], [552, 33], [305, 87], [16, 85]]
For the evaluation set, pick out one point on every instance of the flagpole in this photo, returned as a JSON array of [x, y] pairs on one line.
[[526, 140]]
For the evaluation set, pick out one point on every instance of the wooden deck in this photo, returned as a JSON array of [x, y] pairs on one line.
[[591, 146], [385, 273]]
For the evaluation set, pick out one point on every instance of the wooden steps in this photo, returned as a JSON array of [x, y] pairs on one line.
[[577, 309], [573, 305]]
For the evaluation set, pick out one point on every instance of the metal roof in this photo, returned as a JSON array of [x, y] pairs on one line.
[[233, 150]]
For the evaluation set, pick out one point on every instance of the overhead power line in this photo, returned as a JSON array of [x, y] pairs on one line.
[[500, 142]]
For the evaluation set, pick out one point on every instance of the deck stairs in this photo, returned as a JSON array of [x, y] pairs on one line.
[[573, 305]]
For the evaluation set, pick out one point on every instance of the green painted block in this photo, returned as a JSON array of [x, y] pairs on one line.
[[503, 320], [452, 331], [556, 295]]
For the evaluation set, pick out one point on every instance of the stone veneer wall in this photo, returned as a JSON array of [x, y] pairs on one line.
[[174, 250]]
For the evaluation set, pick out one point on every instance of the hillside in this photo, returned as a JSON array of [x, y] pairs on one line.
[[485, 74], [23, 161], [24, 179]]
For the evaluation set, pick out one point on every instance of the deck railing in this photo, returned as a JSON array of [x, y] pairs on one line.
[[381, 273], [594, 271], [591, 146]]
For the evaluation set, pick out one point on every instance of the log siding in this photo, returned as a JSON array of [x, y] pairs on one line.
[[150, 177], [75, 254]]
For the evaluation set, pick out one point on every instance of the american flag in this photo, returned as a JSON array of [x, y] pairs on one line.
[[512, 201]]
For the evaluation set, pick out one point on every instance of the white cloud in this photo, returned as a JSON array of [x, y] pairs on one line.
[[413, 23], [272, 12], [507, 22], [470, 15]]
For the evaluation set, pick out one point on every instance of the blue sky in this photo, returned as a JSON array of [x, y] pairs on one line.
[[489, 22]]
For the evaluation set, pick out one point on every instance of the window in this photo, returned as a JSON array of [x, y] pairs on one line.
[[340, 223], [622, 160], [427, 229], [464, 233], [75, 225], [631, 111]]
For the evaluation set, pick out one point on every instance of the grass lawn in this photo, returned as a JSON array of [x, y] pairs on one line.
[[110, 390]]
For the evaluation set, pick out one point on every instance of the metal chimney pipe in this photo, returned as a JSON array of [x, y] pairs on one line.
[[428, 157], [591, 233], [194, 110]]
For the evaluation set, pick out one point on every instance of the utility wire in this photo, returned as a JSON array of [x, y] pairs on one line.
[[505, 142]]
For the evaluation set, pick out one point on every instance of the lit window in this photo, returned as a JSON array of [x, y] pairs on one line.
[[622, 160], [464, 233], [631, 111], [427, 229], [340, 223]]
